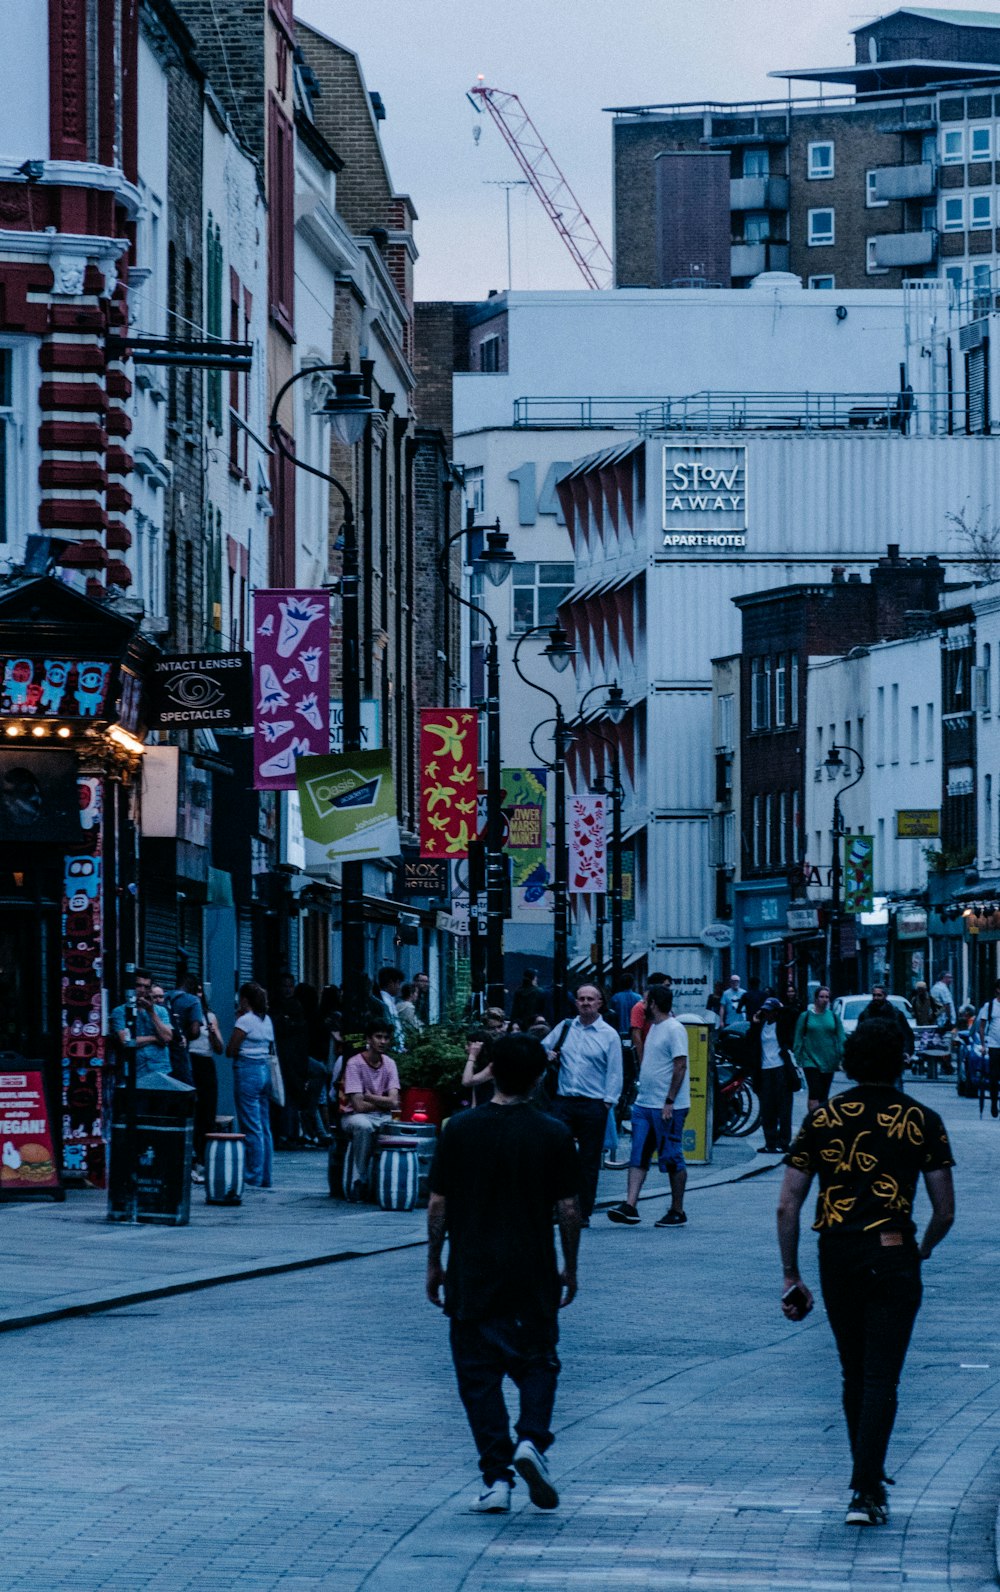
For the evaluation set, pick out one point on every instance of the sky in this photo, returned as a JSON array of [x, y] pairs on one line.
[[567, 59]]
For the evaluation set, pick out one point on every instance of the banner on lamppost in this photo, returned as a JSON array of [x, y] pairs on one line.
[[348, 807], [587, 845], [449, 763], [859, 873], [524, 808], [291, 677]]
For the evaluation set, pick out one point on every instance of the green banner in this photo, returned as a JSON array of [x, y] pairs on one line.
[[859, 873], [524, 793], [628, 884], [348, 808]]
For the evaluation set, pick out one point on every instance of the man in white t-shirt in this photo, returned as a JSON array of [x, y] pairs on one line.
[[989, 1035], [661, 1106], [732, 995]]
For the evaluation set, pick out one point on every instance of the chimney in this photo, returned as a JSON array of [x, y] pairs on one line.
[[854, 579], [837, 574], [893, 551]]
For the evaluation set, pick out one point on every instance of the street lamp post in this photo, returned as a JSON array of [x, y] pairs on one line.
[[494, 562], [835, 762], [349, 411]]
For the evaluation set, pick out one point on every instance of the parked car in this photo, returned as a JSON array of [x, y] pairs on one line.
[[850, 1007]]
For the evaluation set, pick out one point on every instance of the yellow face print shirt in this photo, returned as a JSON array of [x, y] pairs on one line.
[[868, 1147]]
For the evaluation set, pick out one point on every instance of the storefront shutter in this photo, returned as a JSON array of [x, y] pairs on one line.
[[975, 368], [159, 938], [244, 944]]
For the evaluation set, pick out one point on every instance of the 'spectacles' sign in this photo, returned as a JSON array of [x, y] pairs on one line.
[[704, 496], [201, 688]]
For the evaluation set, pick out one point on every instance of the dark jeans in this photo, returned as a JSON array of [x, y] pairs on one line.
[[872, 1295], [206, 1102], [587, 1120], [994, 1075], [484, 1353], [775, 1107], [818, 1083]]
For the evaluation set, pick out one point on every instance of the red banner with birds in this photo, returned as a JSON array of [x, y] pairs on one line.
[[449, 768]]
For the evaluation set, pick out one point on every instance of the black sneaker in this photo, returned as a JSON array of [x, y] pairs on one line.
[[866, 1510], [672, 1219], [625, 1213]]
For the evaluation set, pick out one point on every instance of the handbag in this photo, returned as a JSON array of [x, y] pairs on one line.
[[277, 1081], [550, 1077]]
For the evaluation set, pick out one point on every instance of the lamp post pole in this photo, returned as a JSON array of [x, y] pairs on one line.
[[560, 871], [835, 762], [496, 557], [352, 928]]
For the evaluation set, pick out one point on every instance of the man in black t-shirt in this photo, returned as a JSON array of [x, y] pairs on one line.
[[496, 1176], [868, 1147]]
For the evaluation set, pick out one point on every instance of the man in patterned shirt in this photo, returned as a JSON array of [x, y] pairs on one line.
[[868, 1147]]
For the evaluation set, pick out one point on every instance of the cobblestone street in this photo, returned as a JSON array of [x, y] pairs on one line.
[[303, 1431]]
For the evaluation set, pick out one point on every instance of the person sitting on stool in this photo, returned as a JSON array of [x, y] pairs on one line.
[[371, 1084]]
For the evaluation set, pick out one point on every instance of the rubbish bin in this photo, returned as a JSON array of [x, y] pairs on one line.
[[164, 1127]]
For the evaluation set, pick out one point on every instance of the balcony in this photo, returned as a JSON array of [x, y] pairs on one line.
[[905, 248], [749, 259], [758, 193], [905, 182]]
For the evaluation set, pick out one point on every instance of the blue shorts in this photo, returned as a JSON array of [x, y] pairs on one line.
[[650, 1132]]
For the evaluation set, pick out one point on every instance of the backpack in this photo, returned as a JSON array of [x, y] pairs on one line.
[[180, 1060]]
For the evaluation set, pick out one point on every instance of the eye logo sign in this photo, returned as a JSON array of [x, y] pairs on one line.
[[201, 688]]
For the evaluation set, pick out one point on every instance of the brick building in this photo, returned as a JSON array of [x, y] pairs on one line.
[[892, 177], [782, 629]]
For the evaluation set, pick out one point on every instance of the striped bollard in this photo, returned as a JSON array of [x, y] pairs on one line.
[[398, 1175], [225, 1163]]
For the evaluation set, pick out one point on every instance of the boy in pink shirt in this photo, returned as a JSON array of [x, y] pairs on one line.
[[371, 1084]]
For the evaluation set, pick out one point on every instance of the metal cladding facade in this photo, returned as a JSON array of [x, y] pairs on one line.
[[652, 606]]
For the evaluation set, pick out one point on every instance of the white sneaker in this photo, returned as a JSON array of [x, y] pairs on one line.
[[531, 1467], [493, 1500]]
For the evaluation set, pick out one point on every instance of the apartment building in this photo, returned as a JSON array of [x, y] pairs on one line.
[[891, 175]]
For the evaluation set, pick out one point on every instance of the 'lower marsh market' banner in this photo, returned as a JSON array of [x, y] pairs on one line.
[[348, 805]]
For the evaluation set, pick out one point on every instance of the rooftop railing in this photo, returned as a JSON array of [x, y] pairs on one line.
[[897, 413]]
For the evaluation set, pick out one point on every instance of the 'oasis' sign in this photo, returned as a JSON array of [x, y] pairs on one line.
[[704, 496]]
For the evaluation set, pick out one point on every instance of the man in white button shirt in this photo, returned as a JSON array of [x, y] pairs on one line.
[[989, 1035], [590, 1082]]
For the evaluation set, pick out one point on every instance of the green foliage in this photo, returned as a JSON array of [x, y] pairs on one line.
[[435, 1058]]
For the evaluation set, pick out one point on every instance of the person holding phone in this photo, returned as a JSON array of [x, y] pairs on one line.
[[868, 1147]]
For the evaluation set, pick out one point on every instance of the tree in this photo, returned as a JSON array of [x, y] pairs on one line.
[[981, 541]]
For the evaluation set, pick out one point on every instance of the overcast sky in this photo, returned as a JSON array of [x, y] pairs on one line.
[[566, 59]]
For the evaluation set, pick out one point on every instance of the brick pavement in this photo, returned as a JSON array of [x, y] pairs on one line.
[[302, 1432]]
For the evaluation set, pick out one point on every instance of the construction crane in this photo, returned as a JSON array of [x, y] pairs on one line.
[[554, 192]]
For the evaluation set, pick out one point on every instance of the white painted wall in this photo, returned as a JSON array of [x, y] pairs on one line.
[[639, 342], [24, 83], [316, 265]]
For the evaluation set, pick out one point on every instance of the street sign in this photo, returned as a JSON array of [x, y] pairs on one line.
[[717, 936], [918, 823], [423, 875]]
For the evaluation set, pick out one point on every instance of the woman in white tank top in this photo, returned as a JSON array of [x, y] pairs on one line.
[[251, 1045]]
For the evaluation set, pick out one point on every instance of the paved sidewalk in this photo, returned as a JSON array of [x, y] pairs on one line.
[[59, 1260], [302, 1433]]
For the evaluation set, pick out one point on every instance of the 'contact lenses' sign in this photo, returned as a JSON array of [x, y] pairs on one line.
[[704, 496]]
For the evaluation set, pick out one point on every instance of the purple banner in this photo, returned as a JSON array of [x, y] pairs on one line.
[[291, 678]]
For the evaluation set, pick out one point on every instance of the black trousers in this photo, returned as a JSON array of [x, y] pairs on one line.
[[775, 1107], [872, 1295], [484, 1353], [818, 1083], [587, 1120], [206, 1100]]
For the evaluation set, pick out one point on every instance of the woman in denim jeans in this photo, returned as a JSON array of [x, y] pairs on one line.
[[251, 1045]]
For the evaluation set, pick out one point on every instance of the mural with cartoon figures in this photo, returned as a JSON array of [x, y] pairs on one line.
[[54, 688], [83, 1040]]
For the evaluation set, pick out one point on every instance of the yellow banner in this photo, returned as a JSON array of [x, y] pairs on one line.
[[698, 1123]]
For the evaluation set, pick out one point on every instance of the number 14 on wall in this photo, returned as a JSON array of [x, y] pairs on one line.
[[530, 502]]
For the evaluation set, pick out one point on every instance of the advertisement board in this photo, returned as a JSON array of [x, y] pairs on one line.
[[704, 496], [291, 670], [201, 688], [27, 1155], [348, 805], [698, 1123]]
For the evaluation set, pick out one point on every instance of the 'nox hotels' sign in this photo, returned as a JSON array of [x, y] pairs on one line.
[[704, 496]]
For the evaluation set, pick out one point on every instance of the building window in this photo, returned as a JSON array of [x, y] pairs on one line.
[[871, 259], [929, 148], [793, 688], [953, 146], [756, 162], [757, 829], [828, 282], [980, 212], [982, 288], [821, 227], [880, 725], [955, 274], [474, 492], [914, 735], [213, 315], [780, 691], [929, 733], [953, 214], [928, 218], [980, 143], [489, 355], [871, 199], [894, 723], [783, 855], [768, 831], [988, 804], [820, 161], [538, 589], [281, 215], [760, 693], [797, 847], [726, 722], [756, 226]]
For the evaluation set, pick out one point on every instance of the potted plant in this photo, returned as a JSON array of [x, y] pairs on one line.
[[430, 1072]]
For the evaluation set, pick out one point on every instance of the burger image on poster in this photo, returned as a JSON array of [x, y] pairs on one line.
[[35, 1164]]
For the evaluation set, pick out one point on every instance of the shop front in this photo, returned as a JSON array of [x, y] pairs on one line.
[[71, 680]]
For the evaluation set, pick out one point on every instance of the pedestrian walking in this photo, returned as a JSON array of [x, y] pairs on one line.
[[187, 1020], [880, 1009], [639, 1015], [941, 992], [478, 1074], [732, 996], [989, 1038], [620, 1005], [310, 1124], [771, 1064], [868, 1147], [528, 1003], [496, 1176], [251, 1046], [925, 1007], [291, 1038], [658, 1114], [589, 1054], [819, 1046]]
